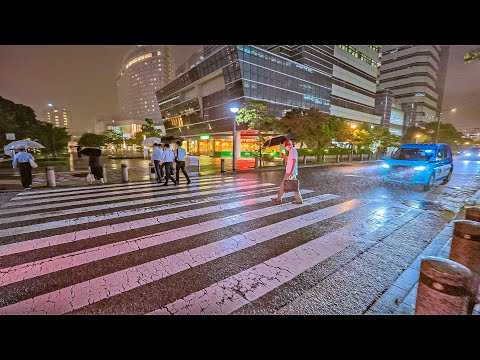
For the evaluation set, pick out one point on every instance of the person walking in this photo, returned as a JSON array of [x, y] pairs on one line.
[[290, 170], [96, 167], [22, 159], [168, 157], [157, 153], [180, 159]]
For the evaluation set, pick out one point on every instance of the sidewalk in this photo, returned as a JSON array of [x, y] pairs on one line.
[[400, 298]]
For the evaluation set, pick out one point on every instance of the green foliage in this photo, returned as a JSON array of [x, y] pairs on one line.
[[471, 56], [149, 130], [20, 120], [92, 140], [114, 138], [256, 115], [448, 133]]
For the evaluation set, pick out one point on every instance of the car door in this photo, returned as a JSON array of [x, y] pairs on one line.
[[439, 164]]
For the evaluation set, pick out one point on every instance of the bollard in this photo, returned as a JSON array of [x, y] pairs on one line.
[[304, 159], [256, 162], [473, 213], [338, 158], [323, 158], [153, 174], [104, 169], [199, 166], [465, 248], [124, 173], [361, 157], [444, 288], [369, 156], [222, 165], [51, 176]]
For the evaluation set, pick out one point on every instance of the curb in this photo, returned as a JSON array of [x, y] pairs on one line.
[[474, 199]]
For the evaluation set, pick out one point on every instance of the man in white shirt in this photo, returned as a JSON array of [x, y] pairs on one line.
[[157, 153], [290, 170], [22, 159], [168, 157], [180, 159]]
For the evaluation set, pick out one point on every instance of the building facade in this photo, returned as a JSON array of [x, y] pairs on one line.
[[145, 69], [58, 116], [416, 76], [192, 61], [338, 80]]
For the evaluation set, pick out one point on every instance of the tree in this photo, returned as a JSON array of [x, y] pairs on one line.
[[471, 56], [149, 129], [310, 126], [383, 139], [448, 133], [416, 134], [17, 119], [54, 139], [256, 115], [114, 138], [92, 140]]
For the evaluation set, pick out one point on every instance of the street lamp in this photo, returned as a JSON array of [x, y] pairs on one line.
[[416, 138], [234, 110], [438, 125]]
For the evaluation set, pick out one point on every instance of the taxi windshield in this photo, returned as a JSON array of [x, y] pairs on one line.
[[414, 154]]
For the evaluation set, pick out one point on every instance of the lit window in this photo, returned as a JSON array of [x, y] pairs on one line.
[[55, 110]]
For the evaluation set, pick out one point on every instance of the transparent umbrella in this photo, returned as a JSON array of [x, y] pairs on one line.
[[20, 144], [150, 141]]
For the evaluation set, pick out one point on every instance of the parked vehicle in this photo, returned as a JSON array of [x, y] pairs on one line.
[[423, 164]]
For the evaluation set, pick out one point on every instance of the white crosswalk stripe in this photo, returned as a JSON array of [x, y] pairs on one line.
[[109, 243]]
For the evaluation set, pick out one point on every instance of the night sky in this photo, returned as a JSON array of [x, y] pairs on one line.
[[82, 77]]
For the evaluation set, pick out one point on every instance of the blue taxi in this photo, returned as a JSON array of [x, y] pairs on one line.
[[419, 164]]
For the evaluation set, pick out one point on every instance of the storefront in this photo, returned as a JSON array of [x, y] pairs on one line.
[[222, 145]]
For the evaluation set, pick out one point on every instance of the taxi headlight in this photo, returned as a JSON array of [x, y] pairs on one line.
[[386, 166], [419, 168]]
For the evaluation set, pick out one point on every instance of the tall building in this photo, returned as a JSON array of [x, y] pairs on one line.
[[353, 70], [192, 61], [339, 80], [145, 69], [58, 116], [416, 75]]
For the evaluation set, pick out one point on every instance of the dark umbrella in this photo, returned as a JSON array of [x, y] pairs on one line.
[[88, 151], [277, 140]]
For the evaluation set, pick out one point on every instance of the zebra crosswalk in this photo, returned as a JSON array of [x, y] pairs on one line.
[[211, 247]]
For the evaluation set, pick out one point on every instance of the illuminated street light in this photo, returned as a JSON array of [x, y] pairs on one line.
[[438, 125], [416, 138], [234, 110]]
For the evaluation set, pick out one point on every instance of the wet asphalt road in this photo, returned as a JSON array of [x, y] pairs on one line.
[[214, 250]]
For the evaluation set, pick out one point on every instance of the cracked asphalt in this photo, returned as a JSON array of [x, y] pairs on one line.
[[220, 246]]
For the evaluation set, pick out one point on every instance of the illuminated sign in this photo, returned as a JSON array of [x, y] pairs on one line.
[[204, 137]]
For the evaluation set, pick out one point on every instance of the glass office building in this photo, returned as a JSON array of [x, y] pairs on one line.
[[196, 104]]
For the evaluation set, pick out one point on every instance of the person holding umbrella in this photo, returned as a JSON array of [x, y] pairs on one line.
[[24, 159], [290, 170], [94, 162]]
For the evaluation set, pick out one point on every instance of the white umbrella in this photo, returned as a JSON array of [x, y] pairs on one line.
[[150, 141], [20, 144]]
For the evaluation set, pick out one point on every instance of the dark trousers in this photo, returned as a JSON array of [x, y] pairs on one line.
[[158, 169], [168, 172], [181, 166], [164, 165], [25, 174]]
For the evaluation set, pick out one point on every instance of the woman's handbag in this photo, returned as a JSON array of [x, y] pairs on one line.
[[33, 164], [291, 184], [90, 178]]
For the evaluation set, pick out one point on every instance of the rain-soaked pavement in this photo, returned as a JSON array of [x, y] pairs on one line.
[[220, 246]]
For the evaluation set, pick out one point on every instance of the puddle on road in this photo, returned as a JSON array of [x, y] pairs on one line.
[[429, 205]]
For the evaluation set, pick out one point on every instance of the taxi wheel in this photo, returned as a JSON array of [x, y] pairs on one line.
[[447, 179], [430, 182]]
